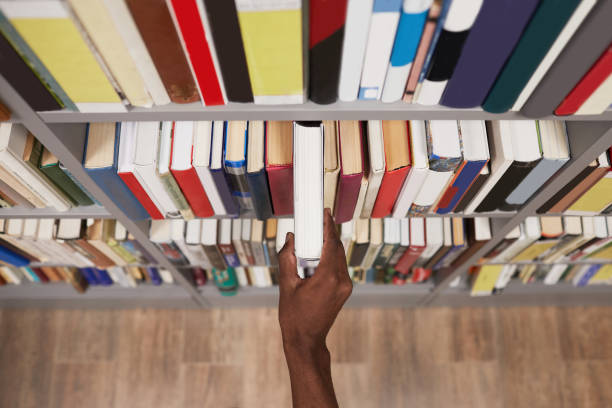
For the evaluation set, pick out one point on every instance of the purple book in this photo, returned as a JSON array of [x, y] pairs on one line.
[[492, 38], [230, 204]]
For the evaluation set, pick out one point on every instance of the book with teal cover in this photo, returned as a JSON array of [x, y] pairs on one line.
[[541, 32]]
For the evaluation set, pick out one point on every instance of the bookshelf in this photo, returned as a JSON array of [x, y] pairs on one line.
[[76, 212], [63, 133]]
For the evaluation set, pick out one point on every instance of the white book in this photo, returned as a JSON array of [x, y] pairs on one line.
[[308, 191], [363, 189], [434, 236], [502, 157], [504, 277], [13, 141], [117, 275], [444, 150], [241, 276], [64, 255], [145, 166], [124, 23], [10, 273], [262, 276], [356, 28], [418, 171], [283, 226], [376, 150], [193, 248], [404, 49], [564, 36], [202, 144], [599, 100], [346, 235], [460, 17], [166, 276], [554, 274], [383, 25]]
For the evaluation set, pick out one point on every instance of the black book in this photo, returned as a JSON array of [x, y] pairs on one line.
[[496, 199], [26, 83], [567, 188], [223, 21]]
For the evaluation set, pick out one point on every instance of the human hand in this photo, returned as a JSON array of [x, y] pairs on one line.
[[308, 307]]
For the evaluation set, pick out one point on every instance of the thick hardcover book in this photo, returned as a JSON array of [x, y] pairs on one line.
[[387, 251], [229, 254], [409, 30], [159, 34], [235, 170], [408, 259], [281, 188], [358, 253], [512, 177], [491, 40], [349, 186], [141, 195], [172, 252], [36, 85], [225, 30], [466, 176], [544, 27], [51, 168], [214, 255], [260, 193], [109, 181], [78, 184], [199, 51], [11, 257], [461, 16], [541, 173], [598, 74], [326, 33], [581, 52]]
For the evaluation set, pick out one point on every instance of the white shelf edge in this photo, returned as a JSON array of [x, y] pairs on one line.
[[76, 212]]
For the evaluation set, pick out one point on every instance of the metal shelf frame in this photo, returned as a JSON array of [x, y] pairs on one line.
[[63, 133]]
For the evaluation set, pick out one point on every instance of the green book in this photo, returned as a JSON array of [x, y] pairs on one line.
[[546, 23], [226, 281], [50, 167], [176, 195]]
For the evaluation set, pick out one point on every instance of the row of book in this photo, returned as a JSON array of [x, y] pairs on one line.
[[83, 278], [370, 169], [69, 241], [538, 57], [493, 279]]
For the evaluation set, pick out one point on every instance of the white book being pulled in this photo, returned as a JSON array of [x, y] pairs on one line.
[[308, 192]]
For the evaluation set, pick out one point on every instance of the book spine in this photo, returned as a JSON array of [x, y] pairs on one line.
[[346, 197], [229, 254], [221, 182], [271, 250], [141, 195], [384, 255], [215, 257], [176, 195], [508, 182], [258, 253], [260, 194], [236, 175], [326, 35], [389, 189], [464, 179], [248, 252], [80, 186], [172, 252], [281, 189], [154, 275], [189, 183]]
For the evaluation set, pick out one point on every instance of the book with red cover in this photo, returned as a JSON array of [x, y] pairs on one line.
[[598, 73], [349, 183], [141, 195], [184, 173], [280, 170], [189, 21], [411, 255], [394, 132]]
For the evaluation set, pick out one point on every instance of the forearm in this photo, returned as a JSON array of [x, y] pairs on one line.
[[310, 373]]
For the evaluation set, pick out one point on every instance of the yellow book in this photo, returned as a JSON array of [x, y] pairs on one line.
[[596, 199], [99, 24], [603, 275], [272, 37], [604, 254], [535, 250], [49, 30], [485, 281]]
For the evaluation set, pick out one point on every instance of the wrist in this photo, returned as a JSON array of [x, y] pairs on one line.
[[303, 347]]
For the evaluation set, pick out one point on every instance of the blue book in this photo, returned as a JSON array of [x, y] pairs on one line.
[[103, 171], [409, 31], [218, 173], [154, 275], [586, 276], [234, 154], [12, 258], [103, 277], [31, 274], [90, 276], [256, 176]]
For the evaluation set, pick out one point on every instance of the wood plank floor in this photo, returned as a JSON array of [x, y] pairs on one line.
[[515, 357]]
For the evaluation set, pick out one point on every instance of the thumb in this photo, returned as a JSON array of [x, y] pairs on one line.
[[287, 264]]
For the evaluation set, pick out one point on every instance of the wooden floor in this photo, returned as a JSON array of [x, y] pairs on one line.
[[521, 357]]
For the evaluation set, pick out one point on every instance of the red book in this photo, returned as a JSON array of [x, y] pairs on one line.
[[41, 275], [396, 136], [141, 195], [189, 21], [598, 73], [420, 274], [279, 165], [183, 171], [351, 170], [416, 248], [199, 276]]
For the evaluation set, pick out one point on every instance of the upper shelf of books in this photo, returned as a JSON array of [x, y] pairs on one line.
[[84, 61]]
